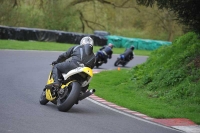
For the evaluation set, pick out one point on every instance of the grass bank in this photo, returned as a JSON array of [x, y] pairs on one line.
[[166, 86]]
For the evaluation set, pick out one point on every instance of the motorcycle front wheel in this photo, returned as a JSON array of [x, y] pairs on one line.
[[97, 62], [43, 99], [71, 97], [117, 62]]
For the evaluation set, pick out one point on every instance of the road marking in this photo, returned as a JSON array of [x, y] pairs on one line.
[[127, 114]]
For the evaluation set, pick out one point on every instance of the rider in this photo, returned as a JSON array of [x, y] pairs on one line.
[[74, 57], [106, 51], [128, 54]]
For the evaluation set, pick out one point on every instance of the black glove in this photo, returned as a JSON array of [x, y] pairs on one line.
[[54, 62]]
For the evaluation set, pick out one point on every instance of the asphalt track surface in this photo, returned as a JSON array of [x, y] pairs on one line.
[[23, 75]]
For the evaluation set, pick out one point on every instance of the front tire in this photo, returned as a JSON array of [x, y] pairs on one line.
[[96, 63], [43, 99], [117, 62], [71, 98]]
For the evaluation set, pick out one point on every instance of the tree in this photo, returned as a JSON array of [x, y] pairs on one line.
[[102, 6], [119, 17], [187, 11]]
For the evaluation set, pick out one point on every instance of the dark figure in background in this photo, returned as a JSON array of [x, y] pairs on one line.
[[128, 54], [107, 52], [74, 57]]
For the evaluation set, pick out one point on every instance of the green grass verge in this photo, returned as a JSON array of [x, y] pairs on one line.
[[117, 87], [167, 85]]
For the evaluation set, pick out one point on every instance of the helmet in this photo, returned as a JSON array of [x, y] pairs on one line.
[[132, 47], [88, 49], [110, 45], [87, 40]]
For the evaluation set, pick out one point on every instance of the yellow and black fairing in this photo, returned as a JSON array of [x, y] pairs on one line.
[[48, 90], [88, 71], [84, 72], [87, 74]]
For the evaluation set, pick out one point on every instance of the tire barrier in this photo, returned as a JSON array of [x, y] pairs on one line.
[[140, 44], [100, 38], [34, 34]]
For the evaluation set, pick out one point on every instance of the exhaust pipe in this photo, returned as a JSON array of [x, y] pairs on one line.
[[87, 94]]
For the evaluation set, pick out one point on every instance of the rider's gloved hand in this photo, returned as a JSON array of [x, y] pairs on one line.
[[54, 62]]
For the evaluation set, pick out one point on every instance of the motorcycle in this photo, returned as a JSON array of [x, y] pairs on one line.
[[121, 61], [99, 59], [72, 88]]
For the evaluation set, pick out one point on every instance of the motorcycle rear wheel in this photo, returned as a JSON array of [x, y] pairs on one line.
[[43, 99], [71, 98]]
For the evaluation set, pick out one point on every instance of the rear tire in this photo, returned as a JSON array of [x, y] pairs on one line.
[[72, 98], [125, 63], [43, 99]]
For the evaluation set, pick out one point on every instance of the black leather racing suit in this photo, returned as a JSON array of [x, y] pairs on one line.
[[107, 51], [128, 54], [71, 59]]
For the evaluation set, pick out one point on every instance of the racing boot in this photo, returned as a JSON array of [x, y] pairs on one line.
[[55, 85]]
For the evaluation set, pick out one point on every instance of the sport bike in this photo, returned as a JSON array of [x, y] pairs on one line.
[[100, 59], [121, 61], [73, 88]]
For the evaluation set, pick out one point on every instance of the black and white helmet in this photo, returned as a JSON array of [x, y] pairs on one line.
[[87, 43], [87, 40]]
